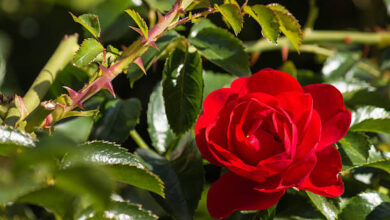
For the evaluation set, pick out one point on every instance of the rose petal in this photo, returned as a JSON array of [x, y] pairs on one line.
[[240, 84], [324, 179], [231, 193], [329, 103], [309, 138], [272, 82], [296, 104]]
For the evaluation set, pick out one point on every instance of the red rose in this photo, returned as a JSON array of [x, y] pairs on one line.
[[271, 134]]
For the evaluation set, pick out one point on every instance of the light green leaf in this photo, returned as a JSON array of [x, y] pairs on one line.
[[223, 49], [139, 21], [119, 117], [160, 133], [325, 205], [89, 22], [267, 20], [89, 50], [288, 24], [232, 15], [371, 119], [120, 164], [182, 89]]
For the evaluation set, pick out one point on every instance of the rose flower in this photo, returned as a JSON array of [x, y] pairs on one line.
[[271, 134]]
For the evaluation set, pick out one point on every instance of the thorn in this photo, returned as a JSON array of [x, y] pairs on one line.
[[109, 87], [48, 121], [254, 58], [153, 44], [21, 107], [140, 64], [71, 92], [284, 53], [137, 30], [160, 17]]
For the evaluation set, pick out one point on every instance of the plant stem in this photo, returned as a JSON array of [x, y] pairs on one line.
[[61, 57], [310, 37], [138, 139]]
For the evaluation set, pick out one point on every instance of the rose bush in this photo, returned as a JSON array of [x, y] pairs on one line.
[[271, 134]]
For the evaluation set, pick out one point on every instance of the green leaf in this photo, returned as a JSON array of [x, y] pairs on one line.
[[214, 81], [371, 119], [366, 205], [119, 117], [356, 151], [135, 73], [161, 5], [160, 133], [290, 68], [288, 24], [223, 49], [267, 20], [204, 23], [119, 210], [61, 203], [89, 22], [139, 21], [198, 4], [387, 3], [121, 165], [187, 162], [78, 129], [182, 89], [89, 182], [89, 50], [325, 205], [13, 141], [174, 202], [232, 15], [339, 64]]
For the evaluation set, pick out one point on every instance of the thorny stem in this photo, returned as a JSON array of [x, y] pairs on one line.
[[316, 37], [61, 57]]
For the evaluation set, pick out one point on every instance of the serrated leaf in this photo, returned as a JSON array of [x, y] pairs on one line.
[[89, 50], [160, 133], [9, 135], [288, 24], [232, 15], [371, 119], [204, 23], [325, 205], [121, 165], [61, 203], [366, 205], [182, 89], [119, 210], [223, 49], [338, 65], [119, 117], [135, 73], [266, 19], [198, 4], [139, 21], [89, 22], [78, 129]]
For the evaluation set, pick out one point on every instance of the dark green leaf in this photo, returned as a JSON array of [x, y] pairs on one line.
[[119, 210], [61, 203], [174, 202], [223, 49], [159, 131], [290, 68], [122, 165], [89, 50], [325, 205], [182, 89], [186, 160], [134, 73], [119, 117], [232, 15], [267, 20], [214, 81], [366, 205], [89, 22], [288, 24], [204, 23], [78, 129]]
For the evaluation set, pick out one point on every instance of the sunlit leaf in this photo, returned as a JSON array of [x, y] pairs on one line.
[[89, 50], [232, 15], [139, 21], [371, 119], [267, 20], [89, 22], [325, 205]]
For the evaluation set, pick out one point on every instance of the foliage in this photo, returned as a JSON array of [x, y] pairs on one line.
[[59, 146]]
